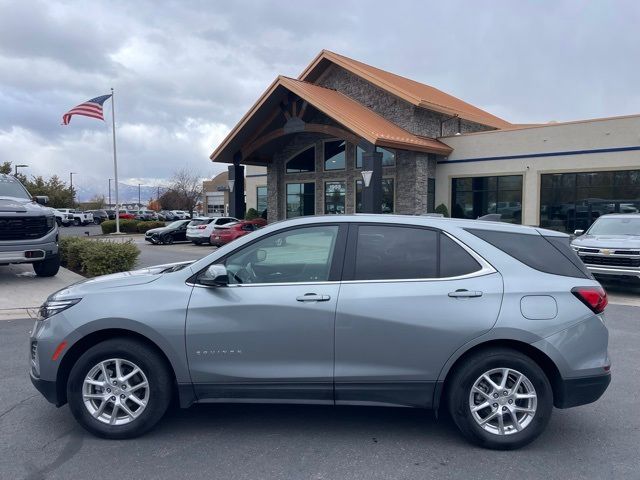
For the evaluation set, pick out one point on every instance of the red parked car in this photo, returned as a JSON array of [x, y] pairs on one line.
[[124, 215], [223, 234]]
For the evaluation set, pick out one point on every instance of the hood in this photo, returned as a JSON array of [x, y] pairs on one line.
[[21, 205], [118, 280], [607, 241], [156, 230]]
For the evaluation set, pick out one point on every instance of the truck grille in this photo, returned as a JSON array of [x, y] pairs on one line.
[[23, 228], [611, 261]]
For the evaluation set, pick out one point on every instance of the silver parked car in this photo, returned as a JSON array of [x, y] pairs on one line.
[[611, 246], [495, 323]]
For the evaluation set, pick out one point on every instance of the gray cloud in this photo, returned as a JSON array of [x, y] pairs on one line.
[[186, 71]]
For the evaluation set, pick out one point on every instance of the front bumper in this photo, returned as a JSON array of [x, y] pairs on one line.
[[48, 389], [573, 392], [613, 271], [18, 252]]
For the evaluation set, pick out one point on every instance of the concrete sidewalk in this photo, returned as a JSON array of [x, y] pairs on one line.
[[22, 292]]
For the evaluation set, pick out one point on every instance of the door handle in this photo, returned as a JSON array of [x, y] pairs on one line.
[[463, 293], [313, 297]]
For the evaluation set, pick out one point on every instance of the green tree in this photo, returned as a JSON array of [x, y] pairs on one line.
[[5, 167], [60, 195], [98, 202], [442, 208]]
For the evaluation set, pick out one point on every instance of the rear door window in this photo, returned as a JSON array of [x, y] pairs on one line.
[[386, 252]]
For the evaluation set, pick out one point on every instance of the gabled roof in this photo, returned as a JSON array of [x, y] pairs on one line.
[[353, 116], [416, 93]]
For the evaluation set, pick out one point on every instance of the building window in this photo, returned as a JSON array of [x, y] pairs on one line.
[[334, 197], [261, 200], [570, 201], [388, 157], [302, 162], [388, 195], [334, 154], [301, 199], [216, 205], [473, 197]]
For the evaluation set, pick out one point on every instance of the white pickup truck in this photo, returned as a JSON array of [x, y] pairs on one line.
[[79, 218]]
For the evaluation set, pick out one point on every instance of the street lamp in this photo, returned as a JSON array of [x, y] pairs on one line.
[[19, 166], [110, 192], [71, 174], [138, 196]]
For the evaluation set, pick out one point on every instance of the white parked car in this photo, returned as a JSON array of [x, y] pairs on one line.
[[62, 218], [180, 214], [200, 228], [79, 218]]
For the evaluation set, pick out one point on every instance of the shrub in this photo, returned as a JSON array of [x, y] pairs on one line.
[[144, 226], [251, 214], [126, 226], [442, 208], [97, 257]]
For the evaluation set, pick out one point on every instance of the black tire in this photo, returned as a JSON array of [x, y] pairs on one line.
[[167, 240], [58, 221], [148, 360], [463, 379], [48, 267], [76, 222]]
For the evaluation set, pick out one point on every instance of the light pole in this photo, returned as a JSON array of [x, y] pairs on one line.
[[110, 192], [71, 174], [138, 196], [19, 166]]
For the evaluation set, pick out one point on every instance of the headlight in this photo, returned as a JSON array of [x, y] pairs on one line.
[[51, 221], [51, 307], [575, 247]]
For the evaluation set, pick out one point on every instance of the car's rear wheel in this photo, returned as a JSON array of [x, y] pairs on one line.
[[48, 267], [119, 388], [500, 399], [58, 221], [76, 222]]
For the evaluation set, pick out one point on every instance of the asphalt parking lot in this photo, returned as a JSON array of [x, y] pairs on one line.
[[597, 441]]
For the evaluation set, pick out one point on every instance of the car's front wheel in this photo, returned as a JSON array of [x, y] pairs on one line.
[[48, 267], [119, 388], [500, 399]]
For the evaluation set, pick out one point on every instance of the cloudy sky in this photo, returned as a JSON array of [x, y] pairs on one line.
[[184, 72]]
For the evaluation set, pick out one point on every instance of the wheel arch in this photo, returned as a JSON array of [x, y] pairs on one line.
[[93, 338], [542, 360]]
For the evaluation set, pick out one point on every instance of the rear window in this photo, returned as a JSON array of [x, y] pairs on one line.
[[202, 221], [546, 254]]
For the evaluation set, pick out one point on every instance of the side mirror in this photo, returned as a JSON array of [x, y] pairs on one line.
[[577, 233], [41, 199], [215, 276]]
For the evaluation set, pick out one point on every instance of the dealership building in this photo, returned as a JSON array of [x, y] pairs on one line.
[[346, 137]]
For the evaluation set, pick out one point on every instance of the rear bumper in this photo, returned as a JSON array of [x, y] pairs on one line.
[[573, 392], [196, 237], [48, 389]]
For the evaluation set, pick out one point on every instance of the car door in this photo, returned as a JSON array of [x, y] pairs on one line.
[[410, 297], [269, 334]]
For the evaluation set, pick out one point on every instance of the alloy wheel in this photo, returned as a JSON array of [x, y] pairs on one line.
[[503, 401], [115, 391]]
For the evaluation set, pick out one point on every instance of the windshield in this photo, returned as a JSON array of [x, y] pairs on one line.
[[200, 221], [10, 187], [615, 226]]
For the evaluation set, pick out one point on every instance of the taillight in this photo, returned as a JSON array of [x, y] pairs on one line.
[[593, 297]]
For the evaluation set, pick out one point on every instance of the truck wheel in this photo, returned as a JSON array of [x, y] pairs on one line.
[[76, 222], [59, 222], [119, 388], [48, 267]]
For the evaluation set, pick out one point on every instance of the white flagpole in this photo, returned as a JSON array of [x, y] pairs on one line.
[[115, 160]]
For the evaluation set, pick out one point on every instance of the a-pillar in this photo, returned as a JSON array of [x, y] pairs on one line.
[[236, 191], [372, 195]]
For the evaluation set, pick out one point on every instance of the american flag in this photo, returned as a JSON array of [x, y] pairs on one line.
[[91, 108]]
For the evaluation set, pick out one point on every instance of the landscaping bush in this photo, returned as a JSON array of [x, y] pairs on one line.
[[442, 208], [126, 226], [251, 214], [97, 257], [144, 226]]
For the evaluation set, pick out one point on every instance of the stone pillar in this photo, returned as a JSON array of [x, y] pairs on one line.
[[372, 195], [236, 194]]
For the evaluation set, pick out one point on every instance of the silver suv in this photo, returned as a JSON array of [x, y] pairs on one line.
[[611, 246], [495, 323]]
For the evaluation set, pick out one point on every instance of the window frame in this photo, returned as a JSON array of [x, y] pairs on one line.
[[324, 196], [308, 147], [348, 272], [385, 177], [335, 269], [300, 182], [324, 160]]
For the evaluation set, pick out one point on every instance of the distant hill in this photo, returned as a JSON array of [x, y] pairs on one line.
[[127, 193]]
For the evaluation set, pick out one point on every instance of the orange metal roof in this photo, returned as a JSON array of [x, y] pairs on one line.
[[350, 114], [416, 93]]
